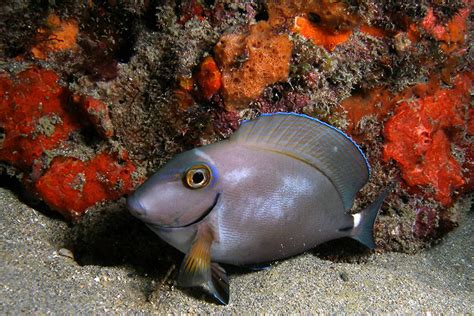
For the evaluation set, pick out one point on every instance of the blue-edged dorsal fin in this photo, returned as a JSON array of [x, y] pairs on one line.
[[317, 143]]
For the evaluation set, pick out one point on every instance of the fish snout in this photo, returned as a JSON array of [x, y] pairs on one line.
[[135, 207]]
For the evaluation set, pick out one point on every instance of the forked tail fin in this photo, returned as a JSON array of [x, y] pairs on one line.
[[364, 221]]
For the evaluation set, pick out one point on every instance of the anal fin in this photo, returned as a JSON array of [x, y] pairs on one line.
[[219, 283]]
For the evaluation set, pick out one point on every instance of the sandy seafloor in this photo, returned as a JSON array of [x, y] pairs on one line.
[[34, 278]]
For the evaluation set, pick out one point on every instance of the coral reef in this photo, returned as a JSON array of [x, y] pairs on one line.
[[38, 117], [250, 62], [330, 16], [375, 103], [70, 185], [417, 138], [98, 114], [33, 116], [57, 35], [452, 34], [84, 83], [209, 78], [318, 35], [326, 23]]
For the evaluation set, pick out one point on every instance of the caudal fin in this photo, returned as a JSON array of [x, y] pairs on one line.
[[364, 221]]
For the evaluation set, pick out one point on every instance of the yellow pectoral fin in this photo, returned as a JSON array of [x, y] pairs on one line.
[[196, 267], [199, 257]]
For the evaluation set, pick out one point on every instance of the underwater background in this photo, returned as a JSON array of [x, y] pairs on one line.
[[95, 96]]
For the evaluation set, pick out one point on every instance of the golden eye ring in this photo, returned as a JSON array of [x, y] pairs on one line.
[[198, 176]]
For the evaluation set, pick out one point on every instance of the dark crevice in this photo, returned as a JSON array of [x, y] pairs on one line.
[[112, 237], [262, 15], [342, 250], [25, 196], [150, 18], [314, 18]]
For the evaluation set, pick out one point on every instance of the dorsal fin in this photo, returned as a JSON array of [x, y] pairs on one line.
[[317, 143]]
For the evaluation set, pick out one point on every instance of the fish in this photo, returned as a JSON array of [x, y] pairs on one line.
[[282, 184]]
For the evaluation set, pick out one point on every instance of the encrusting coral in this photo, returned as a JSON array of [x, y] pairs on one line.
[[38, 117], [209, 77], [70, 185], [417, 138], [33, 116], [56, 35], [250, 62]]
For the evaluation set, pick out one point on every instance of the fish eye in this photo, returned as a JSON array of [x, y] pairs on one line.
[[197, 177]]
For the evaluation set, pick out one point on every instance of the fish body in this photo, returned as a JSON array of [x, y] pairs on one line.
[[282, 184], [264, 218]]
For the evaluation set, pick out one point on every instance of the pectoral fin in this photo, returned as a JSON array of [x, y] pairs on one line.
[[197, 268]]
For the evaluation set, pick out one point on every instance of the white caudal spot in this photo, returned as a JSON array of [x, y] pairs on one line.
[[203, 155], [238, 175], [335, 149], [357, 218]]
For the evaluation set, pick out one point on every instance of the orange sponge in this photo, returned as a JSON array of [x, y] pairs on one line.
[[61, 35], [319, 35], [250, 62]]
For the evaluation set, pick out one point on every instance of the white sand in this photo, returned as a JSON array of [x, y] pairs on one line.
[[35, 278]]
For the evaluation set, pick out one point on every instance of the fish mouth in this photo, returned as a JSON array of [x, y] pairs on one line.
[[198, 220]]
